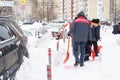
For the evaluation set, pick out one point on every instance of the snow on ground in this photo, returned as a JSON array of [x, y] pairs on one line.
[[105, 67]]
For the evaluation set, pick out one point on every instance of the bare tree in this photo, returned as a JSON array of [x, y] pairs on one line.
[[45, 9], [36, 10]]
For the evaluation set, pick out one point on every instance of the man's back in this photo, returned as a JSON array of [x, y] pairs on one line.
[[81, 29]]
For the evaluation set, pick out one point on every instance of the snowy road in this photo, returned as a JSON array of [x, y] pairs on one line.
[[105, 67]]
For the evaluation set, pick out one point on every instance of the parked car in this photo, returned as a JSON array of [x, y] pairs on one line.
[[29, 26], [12, 48], [36, 29], [41, 30], [55, 33], [32, 40], [58, 23], [47, 25], [105, 23]]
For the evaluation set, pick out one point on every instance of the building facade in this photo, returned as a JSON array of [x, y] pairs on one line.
[[102, 9], [70, 8], [63, 9]]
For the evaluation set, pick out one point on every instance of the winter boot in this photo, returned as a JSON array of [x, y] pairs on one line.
[[76, 63], [81, 65], [86, 58], [96, 55]]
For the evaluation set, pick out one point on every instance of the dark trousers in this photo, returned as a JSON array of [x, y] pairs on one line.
[[118, 32], [79, 46], [94, 43], [88, 48], [89, 45]]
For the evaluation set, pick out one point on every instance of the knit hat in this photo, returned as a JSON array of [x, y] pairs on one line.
[[81, 14], [97, 20], [93, 20]]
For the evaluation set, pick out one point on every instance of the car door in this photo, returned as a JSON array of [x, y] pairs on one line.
[[9, 45]]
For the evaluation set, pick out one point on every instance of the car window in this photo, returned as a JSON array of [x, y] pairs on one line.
[[27, 32], [5, 32]]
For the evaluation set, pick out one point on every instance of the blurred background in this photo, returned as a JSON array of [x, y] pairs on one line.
[[49, 10]]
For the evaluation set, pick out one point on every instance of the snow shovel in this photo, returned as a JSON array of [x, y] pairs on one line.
[[93, 54], [67, 55], [61, 33], [99, 48]]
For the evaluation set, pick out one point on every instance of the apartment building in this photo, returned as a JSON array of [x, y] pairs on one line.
[[107, 9], [70, 8], [102, 9], [111, 10], [95, 9], [118, 10], [92, 9], [79, 5]]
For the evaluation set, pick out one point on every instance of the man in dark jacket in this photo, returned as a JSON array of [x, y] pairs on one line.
[[116, 29], [95, 31], [79, 33], [95, 36]]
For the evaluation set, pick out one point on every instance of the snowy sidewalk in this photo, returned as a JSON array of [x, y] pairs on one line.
[[105, 67]]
